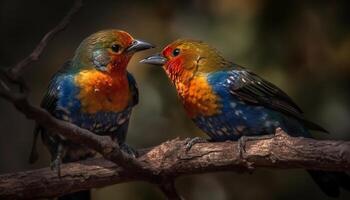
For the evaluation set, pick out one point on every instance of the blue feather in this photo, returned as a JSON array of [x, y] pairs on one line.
[[238, 117]]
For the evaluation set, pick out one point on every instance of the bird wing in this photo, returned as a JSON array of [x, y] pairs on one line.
[[134, 90], [48, 103], [251, 88], [50, 98]]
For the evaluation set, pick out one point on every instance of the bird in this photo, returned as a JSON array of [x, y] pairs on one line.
[[94, 91], [230, 102]]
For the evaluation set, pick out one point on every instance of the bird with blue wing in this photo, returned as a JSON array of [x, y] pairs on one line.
[[229, 102], [94, 91]]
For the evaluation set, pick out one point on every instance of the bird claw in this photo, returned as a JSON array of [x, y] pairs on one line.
[[242, 144], [56, 165], [129, 150], [192, 141], [244, 139]]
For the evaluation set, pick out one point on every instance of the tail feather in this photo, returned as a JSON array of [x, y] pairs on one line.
[[81, 195], [331, 182], [313, 126], [34, 153]]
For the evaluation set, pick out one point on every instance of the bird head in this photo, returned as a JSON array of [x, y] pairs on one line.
[[186, 58], [108, 51]]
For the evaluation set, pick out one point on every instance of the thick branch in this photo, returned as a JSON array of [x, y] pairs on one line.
[[170, 159], [160, 165], [101, 144]]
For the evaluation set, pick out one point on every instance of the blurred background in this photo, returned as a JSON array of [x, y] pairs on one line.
[[301, 46]]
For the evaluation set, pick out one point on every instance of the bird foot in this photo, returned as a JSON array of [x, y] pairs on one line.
[[56, 165], [244, 139], [57, 161], [192, 141], [242, 144], [128, 150]]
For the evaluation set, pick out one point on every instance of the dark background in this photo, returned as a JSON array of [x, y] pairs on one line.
[[301, 46]]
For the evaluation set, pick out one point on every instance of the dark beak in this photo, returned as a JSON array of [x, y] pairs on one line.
[[155, 60], [139, 45]]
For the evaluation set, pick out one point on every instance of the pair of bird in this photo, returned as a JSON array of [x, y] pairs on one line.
[[96, 92]]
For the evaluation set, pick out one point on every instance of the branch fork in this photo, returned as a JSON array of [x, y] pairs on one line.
[[160, 165]]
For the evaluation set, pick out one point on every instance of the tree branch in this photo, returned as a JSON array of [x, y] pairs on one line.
[[170, 159], [102, 144], [17, 70], [159, 165]]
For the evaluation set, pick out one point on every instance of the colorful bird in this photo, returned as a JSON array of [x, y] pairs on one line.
[[94, 91], [228, 101]]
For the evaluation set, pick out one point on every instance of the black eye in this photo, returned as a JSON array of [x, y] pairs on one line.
[[116, 48], [176, 52]]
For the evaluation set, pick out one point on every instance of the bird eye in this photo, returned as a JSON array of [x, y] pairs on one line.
[[176, 52], [116, 48]]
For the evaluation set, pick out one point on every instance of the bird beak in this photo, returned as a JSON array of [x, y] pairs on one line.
[[155, 60], [139, 45]]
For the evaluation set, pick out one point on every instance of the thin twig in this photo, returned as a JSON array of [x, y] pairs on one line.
[[16, 71], [102, 144], [159, 165]]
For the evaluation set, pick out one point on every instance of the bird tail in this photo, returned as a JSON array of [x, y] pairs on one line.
[[331, 182], [81, 195], [34, 153]]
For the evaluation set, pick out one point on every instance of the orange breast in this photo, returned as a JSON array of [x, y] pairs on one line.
[[198, 98], [102, 92]]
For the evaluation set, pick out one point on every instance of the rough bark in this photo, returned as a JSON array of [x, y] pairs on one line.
[[170, 160], [159, 165]]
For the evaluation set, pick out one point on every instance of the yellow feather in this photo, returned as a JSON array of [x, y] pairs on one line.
[[198, 98], [102, 92]]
